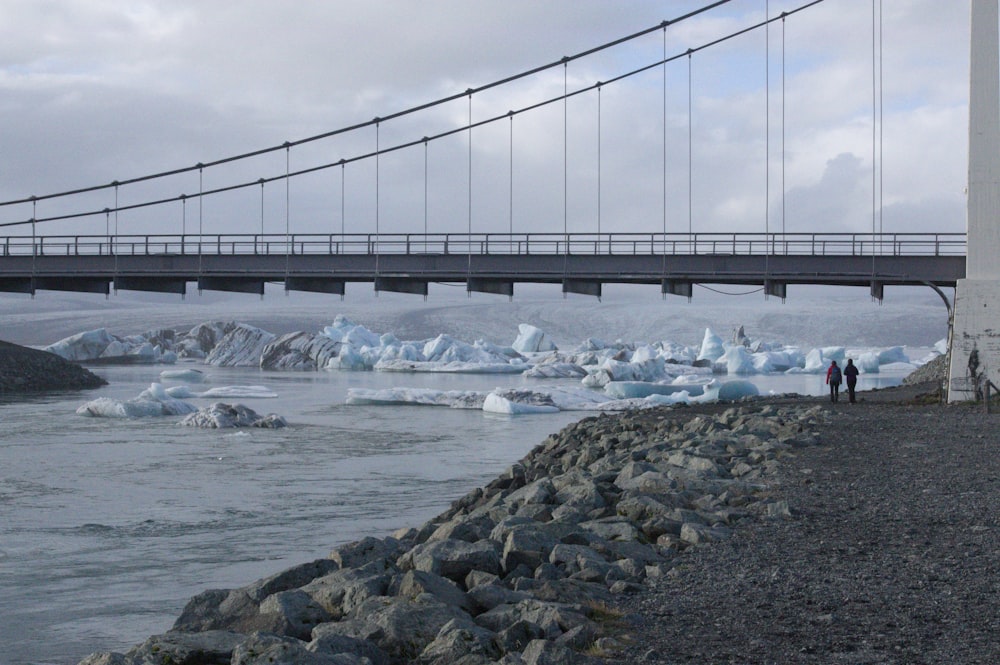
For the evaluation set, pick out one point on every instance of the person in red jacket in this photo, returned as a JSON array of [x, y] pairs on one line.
[[833, 377], [851, 376]]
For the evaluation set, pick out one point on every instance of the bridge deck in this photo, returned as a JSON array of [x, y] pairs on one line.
[[492, 263]]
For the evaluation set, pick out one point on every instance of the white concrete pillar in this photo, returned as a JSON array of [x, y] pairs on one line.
[[983, 205], [975, 340]]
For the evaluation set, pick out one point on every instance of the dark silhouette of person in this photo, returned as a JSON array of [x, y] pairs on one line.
[[833, 377], [851, 376]]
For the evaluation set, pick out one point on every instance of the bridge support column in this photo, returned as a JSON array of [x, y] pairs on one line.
[[232, 284], [776, 289], [315, 285], [975, 338], [877, 290], [401, 285], [484, 285], [677, 288], [584, 287], [154, 284]]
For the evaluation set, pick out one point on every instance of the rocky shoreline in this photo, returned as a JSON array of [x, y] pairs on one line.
[[532, 569], [25, 370]]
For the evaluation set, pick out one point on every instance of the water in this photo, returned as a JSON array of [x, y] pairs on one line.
[[110, 526]]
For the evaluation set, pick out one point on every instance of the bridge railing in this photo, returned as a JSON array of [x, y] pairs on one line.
[[807, 244]]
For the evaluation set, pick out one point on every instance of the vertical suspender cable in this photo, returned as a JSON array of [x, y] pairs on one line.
[[183, 221], [378, 151], [34, 216], [343, 202], [881, 124], [599, 169], [690, 162], [783, 188], [566, 163], [468, 268], [664, 71], [425, 194], [261, 219], [510, 177], [201, 190], [874, 131], [767, 141], [115, 246], [288, 216]]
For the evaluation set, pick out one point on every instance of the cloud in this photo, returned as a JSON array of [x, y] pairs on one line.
[[92, 92]]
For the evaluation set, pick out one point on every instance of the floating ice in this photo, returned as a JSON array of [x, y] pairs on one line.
[[531, 340], [154, 401], [221, 415], [518, 402], [641, 389], [245, 392], [711, 347], [186, 375], [457, 399]]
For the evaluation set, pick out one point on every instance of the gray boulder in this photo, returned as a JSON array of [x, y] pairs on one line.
[[452, 558]]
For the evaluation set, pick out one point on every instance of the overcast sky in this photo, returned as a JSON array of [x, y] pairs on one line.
[[93, 91]]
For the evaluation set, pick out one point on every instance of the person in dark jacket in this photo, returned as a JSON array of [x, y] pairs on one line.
[[833, 377], [851, 376]]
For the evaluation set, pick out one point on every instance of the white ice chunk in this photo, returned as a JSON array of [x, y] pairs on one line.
[[186, 375], [894, 354], [82, 346], [738, 360], [154, 401], [518, 402], [458, 399], [245, 392], [220, 415], [711, 346], [640, 389], [531, 340]]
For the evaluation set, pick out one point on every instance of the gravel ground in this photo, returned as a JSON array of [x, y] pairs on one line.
[[891, 553]]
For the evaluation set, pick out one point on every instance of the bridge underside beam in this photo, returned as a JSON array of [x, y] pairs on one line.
[[501, 287], [315, 285], [584, 287], [16, 285], [75, 284], [401, 285], [231, 284], [154, 284], [677, 287], [775, 288]]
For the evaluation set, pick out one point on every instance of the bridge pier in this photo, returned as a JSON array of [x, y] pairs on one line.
[[975, 338]]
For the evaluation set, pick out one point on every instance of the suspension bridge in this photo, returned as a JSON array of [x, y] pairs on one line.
[[70, 241]]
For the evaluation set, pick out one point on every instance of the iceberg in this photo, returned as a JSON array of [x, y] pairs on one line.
[[154, 401], [514, 402], [186, 375], [641, 389], [221, 415], [456, 399], [531, 340], [241, 347], [246, 392], [711, 347]]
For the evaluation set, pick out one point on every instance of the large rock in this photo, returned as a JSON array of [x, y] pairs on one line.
[[401, 627], [24, 370], [452, 558]]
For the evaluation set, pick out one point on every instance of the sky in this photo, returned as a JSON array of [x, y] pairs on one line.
[[792, 128]]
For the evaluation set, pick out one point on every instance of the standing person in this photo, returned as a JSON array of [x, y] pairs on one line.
[[833, 377], [851, 375]]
